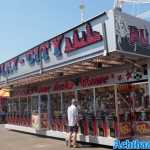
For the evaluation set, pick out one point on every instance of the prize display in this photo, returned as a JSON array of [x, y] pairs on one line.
[[86, 112], [134, 110], [125, 105], [56, 116], [105, 111], [96, 106], [142, 110], [23, 111], [44, 111], [35, 112]]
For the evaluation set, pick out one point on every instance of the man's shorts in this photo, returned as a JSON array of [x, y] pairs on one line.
[[73, 129]]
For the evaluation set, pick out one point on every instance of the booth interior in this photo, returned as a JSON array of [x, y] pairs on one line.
[[112, 94]]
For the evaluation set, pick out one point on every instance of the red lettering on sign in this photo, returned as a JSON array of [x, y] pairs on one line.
[[63, 86], [56, 42], [88, 37], [93, 81], [144, 37], [44, 46], [138, 36]]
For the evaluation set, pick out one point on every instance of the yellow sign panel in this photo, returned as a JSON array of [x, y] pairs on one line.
[[4, 93]]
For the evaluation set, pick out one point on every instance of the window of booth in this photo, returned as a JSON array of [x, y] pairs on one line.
[[29, 104], [55, 104], [105, 100], [133, 109], [15, 105], [141, 93], [133, 96], [35, 104], [86, 101], [23, 105], [67, 98], [44, 111], [44, 103], [125, 94], [9, 105]]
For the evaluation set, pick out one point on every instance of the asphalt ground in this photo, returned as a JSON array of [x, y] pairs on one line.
[[12, 140]]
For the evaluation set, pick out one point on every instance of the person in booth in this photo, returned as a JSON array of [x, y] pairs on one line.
[[72, 113]]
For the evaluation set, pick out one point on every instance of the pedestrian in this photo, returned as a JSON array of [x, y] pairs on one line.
[[72, 113]]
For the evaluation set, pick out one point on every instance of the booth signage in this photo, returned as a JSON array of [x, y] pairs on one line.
[[56, 50], [132, 34], [63, 86], [88, 37], [35, 55], [94, 81]]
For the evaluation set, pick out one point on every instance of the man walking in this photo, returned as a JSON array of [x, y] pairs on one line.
[[72, 113]]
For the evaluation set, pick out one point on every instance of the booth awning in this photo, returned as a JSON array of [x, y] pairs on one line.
[[99, 63]]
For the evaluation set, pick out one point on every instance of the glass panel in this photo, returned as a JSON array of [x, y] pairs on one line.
[[141, 91], [15, 105], [23, 105], [29, 104], [105, 100], [44, 111], [9, 103], [105, 111], [56, 104], [44, 103], [141, 109], [34, 106], [125, 95], [67, 97], [86, 111], [85, 101]]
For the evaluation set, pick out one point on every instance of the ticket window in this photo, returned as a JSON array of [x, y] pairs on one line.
[[55, 104]]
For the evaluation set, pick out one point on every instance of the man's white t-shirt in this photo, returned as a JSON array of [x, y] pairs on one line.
[[72, 115]]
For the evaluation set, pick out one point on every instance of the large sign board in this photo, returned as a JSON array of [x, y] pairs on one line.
[[132, 34], [84, 40]]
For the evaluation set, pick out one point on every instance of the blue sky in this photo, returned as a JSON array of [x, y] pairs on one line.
[[26, 23]]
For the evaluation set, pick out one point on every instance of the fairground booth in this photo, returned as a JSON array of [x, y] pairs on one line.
[[4, 94], [104, 63]]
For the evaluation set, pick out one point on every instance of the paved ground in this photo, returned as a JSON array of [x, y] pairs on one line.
[[10, 140]]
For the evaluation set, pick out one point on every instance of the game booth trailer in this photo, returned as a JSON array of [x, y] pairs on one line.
[[104, 63]]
